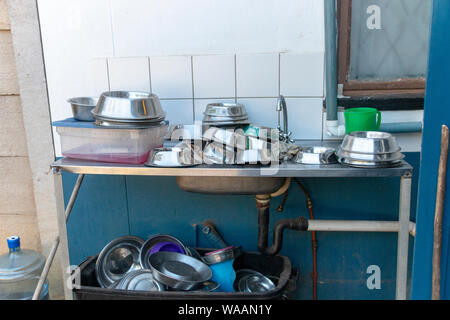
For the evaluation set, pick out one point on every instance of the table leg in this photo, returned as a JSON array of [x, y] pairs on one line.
[[403, 237]]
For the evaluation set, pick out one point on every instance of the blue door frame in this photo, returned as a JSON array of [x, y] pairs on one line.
[[437, 113]]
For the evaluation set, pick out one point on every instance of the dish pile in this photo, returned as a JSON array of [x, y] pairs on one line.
[[164, 263], [370, 149], [122, 127]]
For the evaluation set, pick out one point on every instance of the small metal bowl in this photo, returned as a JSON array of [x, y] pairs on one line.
[[82, 107], [118, 258], [179, 271], [255, 283], [146, 249], [248, 280], [228, 110], [316, 155], [221, 255], [128, 105], [370, 142]]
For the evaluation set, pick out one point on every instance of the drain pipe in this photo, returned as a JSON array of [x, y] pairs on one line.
[[401, 127], [333, 127], [263, 205]]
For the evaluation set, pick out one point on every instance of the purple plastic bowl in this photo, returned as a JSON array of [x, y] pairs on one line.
[[167, 246]]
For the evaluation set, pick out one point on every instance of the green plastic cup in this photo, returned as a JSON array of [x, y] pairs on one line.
[[362, 119]]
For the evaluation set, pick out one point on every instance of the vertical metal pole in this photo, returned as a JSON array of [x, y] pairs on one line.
[[403, 237], [63, 243], [49, 261]]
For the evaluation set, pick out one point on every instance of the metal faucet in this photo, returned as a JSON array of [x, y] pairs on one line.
[[285, 135]]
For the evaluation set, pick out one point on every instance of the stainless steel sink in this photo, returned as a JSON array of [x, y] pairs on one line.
[[231, 185]]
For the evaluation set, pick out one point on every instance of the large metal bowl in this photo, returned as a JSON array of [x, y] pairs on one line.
[[146, 249], [118, 258], [179, 271], [383, 157], [370, 142], [82, 107], [128, 105]]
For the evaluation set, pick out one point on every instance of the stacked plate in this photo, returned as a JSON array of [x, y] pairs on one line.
[[225, 114], [370, 149], [128, 109]]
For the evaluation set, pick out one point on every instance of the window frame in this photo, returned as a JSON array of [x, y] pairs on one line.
[[407, 86]]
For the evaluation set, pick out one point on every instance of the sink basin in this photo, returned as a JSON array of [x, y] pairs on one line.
[[231, 185]]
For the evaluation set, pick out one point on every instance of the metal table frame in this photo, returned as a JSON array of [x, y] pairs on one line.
[[403, 226]]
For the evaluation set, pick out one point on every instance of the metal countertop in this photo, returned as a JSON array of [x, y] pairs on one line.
[[285, 169]]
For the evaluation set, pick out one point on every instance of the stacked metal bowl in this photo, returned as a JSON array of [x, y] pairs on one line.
[[225, 114], [128, 109], [370, 149]]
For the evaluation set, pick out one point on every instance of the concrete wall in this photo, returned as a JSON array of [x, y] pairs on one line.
[[27, 192], [17, 208]]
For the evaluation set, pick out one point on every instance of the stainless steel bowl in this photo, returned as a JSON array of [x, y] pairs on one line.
[[383, 157], [179, 271], [128, 105], [220, 255], [369, 164], [255, 283], [139, 280], [248, 280], [129, 125], [208, 118], [225, 123], [316, 155], [82, 107], [171, 158], [118, 258], [228, 110], [144, 254], [370, 142]]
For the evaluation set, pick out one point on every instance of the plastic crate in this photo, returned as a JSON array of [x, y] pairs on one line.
[[278, 266]]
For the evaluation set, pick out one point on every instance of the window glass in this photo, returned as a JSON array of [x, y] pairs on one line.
[[389, 39]]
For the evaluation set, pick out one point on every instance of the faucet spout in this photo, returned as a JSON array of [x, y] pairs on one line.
[[281, 107]]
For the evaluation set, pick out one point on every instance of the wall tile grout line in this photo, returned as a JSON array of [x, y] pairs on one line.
[[107, 73], [112, 28], [279, 74], [235, 79], [192, 86], [150, 74]]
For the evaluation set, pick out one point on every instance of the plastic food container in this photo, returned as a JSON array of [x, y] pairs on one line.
[[84, 140]]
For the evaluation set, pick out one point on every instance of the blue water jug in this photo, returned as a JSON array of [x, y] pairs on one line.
[[20, 271]]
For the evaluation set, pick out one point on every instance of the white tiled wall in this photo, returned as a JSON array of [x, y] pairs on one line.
[[190, 55]]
